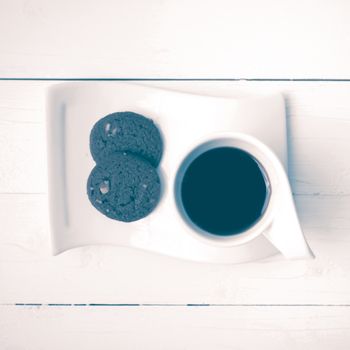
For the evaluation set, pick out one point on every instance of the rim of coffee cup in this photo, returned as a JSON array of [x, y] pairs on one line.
[[265, 158]]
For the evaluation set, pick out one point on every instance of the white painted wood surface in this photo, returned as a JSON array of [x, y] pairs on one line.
[[91, 328], [175, 39], [319, 121], [275, 304], [319, 125]]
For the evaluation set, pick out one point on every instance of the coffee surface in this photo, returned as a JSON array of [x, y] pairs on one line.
[[224, 191]]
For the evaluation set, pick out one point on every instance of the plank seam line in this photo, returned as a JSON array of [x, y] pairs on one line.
[[318, 195], [166, 305], [181, 79]]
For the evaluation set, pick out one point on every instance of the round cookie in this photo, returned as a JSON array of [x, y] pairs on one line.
[[126, 132], [126, 188]]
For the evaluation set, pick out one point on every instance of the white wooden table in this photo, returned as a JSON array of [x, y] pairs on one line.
[[115, 298]]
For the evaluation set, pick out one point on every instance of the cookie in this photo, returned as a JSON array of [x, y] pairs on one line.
[[126, 188], [126, 132]]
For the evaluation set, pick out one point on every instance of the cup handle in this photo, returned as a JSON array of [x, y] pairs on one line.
[[285, 232]]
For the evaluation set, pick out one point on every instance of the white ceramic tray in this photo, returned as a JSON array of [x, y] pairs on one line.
[[184, 119]]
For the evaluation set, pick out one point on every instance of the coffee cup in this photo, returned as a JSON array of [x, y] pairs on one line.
[[234, 181]]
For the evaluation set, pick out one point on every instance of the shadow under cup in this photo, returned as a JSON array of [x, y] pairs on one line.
[[221, 190]]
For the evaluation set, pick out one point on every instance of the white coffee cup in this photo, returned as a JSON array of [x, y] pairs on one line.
[[290, 240]]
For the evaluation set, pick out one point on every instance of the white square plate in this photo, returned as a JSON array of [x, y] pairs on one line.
[[183, 119]]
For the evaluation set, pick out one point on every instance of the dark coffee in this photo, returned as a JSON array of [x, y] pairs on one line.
[[224, 191]]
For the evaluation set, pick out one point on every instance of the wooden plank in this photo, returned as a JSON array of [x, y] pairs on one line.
[[175, 39], [119, 275], [319, 125], [175, 327]]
